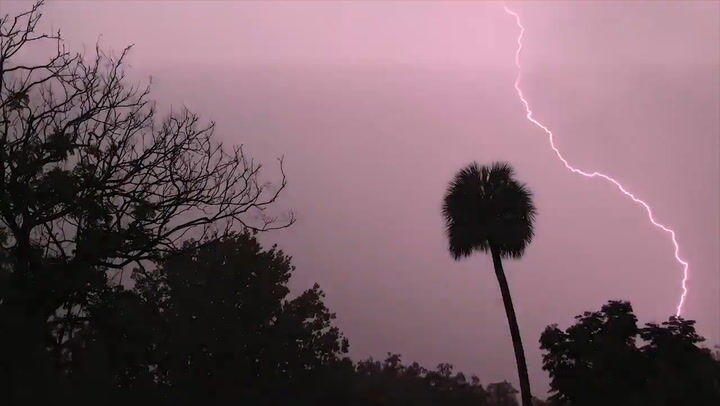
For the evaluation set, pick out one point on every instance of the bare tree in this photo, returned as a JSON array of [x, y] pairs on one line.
[[90, 178]]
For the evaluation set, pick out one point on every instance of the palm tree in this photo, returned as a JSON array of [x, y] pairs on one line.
[[485, 209]]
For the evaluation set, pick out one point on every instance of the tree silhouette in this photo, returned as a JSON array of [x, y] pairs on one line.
[[502, 394], [92, 183], [390, 382], [598, 361], [595, 360], [230, 334], [486, 210], [679, 372]]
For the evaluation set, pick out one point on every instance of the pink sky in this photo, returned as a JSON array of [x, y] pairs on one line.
[[374, 106]]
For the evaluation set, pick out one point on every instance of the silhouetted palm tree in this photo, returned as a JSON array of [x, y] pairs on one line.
[[485, 209]]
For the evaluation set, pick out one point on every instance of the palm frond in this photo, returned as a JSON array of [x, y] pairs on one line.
[[484, 206]]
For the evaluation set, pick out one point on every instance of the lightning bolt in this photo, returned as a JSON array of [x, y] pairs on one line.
[[618, 185]]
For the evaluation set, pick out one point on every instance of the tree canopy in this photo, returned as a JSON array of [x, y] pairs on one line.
[[486, 207], [606, 358]]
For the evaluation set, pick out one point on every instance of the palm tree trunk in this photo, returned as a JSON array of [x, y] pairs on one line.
[[514, 330]]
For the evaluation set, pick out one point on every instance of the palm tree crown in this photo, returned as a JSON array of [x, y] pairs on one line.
[[485, 206]]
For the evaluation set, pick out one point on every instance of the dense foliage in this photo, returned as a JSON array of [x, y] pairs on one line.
[[213, 324], [390, 382], [605, 358], [486, 208]]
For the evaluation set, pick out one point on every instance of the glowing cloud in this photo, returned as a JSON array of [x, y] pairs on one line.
[[648, 210]]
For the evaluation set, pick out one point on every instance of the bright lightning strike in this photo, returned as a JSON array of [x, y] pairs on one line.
[[651, 217]]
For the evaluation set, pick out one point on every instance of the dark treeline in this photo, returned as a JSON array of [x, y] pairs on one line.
[[214, 324], [130, 271], [605, 358]]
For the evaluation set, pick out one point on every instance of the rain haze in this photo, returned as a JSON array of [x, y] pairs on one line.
[[375, 105]]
